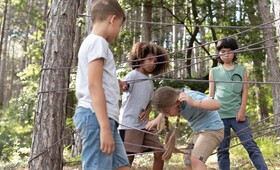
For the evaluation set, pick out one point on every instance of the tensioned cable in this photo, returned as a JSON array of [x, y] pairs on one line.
[[195, 80], [220, 81], [221, 150], [185, 49], [69, 88], [214, 55], [254, 124], [236, 51], [178, 60], [144, 153], [186, 59], [144, 131], [187, 25], [182, 149], [179, 24], [158, 78], [145, 146], [151, 147], [253, 131], [192, 80], [49, 147], [62, 68], [241, 32], [246, 141]]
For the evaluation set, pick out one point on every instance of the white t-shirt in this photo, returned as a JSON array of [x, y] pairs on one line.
[[134, 100], [92, 48]]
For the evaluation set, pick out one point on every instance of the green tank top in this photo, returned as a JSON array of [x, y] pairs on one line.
[[229, 94]]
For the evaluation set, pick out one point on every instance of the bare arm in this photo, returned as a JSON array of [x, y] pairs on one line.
[[241, 115], [144, 115], [155, 122], [95, 72], [211, 84], [207, 104]]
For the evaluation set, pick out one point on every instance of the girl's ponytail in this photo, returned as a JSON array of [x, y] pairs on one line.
[[170, 140]]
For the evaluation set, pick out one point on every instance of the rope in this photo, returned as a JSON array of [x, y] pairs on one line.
[[254, 124], [245, 141], [188, 25], [144, 131], [156, 148], [198, 57], [54, 144], [178, 24], [49, 147], [145, 146]]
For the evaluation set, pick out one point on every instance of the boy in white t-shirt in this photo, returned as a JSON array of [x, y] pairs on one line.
[[97, 91]]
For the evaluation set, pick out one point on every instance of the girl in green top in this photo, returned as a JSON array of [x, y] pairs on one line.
[[233, 97]]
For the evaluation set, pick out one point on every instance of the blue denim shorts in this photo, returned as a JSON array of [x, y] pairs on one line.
[[92, 157]]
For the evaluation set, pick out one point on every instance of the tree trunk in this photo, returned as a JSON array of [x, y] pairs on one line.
[[176, 64], [276, 5], [4, 43], [26, 36], [147, 17], [136, 29], [78, 31], [261, 100], [49, 120], [88, 16], [13, 73], [277, 25], [257, 62], [193, 38], [213, 31], [272, 61]]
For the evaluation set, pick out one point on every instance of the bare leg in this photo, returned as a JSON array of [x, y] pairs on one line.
[[197, 164], [189, 167], [158, 162]]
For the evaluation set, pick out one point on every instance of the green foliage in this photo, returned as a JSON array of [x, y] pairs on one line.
[[122, 44], [252, 107], [68, 159], [268, 146], [17, 119]]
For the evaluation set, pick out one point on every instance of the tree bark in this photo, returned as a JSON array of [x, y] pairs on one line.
[[272, 61], [88, 16], [26, 36], [147, 17], [257, 62], [49, 120], [277, 25], [4, 43], [276, 5], [78, 31]]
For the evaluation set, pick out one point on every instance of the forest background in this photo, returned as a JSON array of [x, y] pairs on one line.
[[38, 58]]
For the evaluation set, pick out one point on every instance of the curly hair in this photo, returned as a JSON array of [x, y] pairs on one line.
[[228, 42], [140, 51]]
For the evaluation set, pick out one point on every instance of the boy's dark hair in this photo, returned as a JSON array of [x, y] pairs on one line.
[[228, 42], [140, 51], [101, 9]]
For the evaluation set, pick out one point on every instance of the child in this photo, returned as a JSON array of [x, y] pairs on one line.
[[145, 59], [233, 97], [97, 91], [200, 111]]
